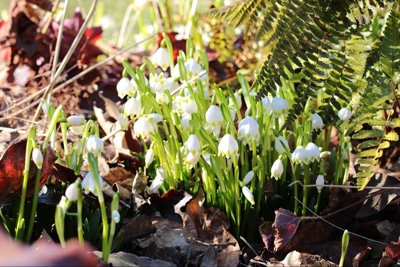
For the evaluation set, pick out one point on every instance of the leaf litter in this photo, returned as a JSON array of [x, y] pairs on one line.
[[176, 228]]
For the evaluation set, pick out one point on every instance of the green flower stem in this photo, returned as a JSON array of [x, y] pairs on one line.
[[34, 206], [305, 189], [296, 176], [79, 205], [19, 231], [59, 223], [345, 244], [64, 131], [114, 206], [93, 165], [52, 126]]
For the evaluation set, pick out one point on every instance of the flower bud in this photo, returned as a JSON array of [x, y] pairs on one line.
[[148, 159], [277, 169], [37, 157], [345, 114], [116, 216], [248, 177], [248, 195], [72, 192], [316, 121], [75, 121], [281, 144], [320, 182]]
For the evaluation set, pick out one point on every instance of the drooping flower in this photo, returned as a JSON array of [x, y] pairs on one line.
[[94, 145], [161, 58], [37, 158], [281, 144], [312, 152], [228, 146], [214, 120], [192, 68], [320, 182], [316, 121], [76, 120], [298, 155], [238, 99], [192, 150], [267, 104], [248, 177], [345, 114], [89, 185], [45, 107], [126, 87], [123, 121], [279, 105], [149, 157], [146, 124], [248, 130], [72, 192], [248, 195], [63, 204], [159, 83], [133, 107], [277, 169]]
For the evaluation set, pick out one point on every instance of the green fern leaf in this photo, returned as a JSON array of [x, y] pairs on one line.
[[368, 134]]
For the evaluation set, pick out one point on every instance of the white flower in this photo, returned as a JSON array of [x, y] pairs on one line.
[[248, 130], [248, 177], [277, 169], [214, 120], [89, 185], [133, 107], [312, 152], [162, 98], [279, 105], [161, 58], [281, 144], [37, 158], [298, 155], [345, 114], [189, 106], [115, 216], [72, 192], [146, 124], [126, 87], [248, 194], [185, 121], [238, 99], [316, 121], [76, 120], [192, 150], [320, 182], [228, 146], [161, 174], [94, 145], [148, 159], [192, 68], [267, 104], [123, 121]]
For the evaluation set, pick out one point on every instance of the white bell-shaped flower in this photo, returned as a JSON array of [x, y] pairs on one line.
[[161, 58], [192, 150], [248, 130], [146, 124], [214, 120], [37, 158], [94, 145], [72, 192], [123, 121], [279, 105], [298, 155], [115, 216], [192, 68], [228, 146], [161, 175], [133, 107], [267, 104], [277, 169], [281, 144], [76, 120], [312, 152], [248, 195], [316, 121], [89, 185], [344, 114], [126, 87]]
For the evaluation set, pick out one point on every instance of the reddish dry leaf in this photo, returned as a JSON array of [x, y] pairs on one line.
[[285, 226], [391, 254], [12, 166]]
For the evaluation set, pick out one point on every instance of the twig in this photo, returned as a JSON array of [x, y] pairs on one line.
[[335, 226], [69, 81], [345, 186], [248, 244]]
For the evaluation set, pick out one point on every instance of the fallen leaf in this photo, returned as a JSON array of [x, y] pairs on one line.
[[12, 166], [285, 226]]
